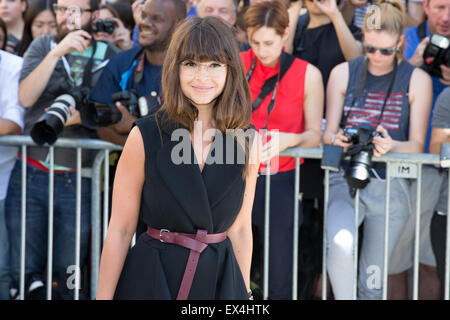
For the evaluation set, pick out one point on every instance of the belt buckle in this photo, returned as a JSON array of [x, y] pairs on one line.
[[160, 234]]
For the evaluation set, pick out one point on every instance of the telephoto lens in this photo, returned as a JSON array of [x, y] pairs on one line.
[[52, 123]]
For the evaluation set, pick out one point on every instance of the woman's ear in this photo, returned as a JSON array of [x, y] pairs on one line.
[[95, 15], [24, 5], [401, 41], [286, 33]]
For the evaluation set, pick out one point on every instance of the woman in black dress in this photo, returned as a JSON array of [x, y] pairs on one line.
[[192, 178]]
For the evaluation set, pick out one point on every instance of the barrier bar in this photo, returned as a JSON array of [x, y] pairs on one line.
[[386, 231], [296, 231], [77, 227], [51, 176], [23, 224], [266, 232], [417, 235]]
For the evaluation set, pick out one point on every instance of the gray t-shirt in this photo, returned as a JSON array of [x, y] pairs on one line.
[[441, 113], [76, 63], [441, 119]]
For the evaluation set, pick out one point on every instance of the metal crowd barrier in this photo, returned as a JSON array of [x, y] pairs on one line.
[[390, 159], [102, 158]]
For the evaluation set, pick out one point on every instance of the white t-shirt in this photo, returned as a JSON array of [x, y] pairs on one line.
[[10, 66]]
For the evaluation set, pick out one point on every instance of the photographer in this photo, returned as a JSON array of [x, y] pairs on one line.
[[385, 91], [438, 226], [52, 67], [417, 40], [139, 68], [108, 27]]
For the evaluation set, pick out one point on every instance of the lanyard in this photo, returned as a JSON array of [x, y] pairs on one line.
[[271, 84]]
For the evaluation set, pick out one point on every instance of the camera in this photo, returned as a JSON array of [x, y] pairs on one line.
[[436, 53], [360, 153], [107, 114], [52, 123], [106, 25]]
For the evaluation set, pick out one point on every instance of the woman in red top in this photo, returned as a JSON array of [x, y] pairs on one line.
[[292, 113]]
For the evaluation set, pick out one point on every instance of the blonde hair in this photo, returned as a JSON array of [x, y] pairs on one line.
[[388, 16]]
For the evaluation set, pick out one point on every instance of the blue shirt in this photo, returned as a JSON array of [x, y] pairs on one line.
[[412, 41], [118, 75]]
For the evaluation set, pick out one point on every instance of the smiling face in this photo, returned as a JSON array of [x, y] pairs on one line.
[[202, 82], [156, 24], [267, 44]]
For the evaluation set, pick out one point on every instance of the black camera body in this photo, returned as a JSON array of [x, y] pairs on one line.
[[108, 26], [107, 114], [435, 54], [360, 152]]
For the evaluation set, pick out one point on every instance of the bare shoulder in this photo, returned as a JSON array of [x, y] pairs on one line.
[[134, 146], [313, 73], [340, 70], [419, 76]]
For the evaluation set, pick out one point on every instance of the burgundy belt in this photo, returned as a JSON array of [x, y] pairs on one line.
[[195, 242]]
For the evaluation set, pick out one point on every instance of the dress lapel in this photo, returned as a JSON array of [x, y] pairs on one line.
[[184, 180], [220, 175]]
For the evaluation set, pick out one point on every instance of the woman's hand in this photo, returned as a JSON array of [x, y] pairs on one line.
[[279, 141], [383, 144], [328, 7], [341, 140], [122, 36]]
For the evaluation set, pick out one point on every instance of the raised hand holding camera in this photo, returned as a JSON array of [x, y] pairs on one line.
[[78, 40]]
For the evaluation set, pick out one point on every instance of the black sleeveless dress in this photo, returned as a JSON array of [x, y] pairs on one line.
[[181, 198]]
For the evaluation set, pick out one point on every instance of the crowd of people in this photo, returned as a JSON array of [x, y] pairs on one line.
[[314, 70]]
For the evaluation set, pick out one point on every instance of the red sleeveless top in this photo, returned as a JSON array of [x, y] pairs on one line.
[[287, 114]]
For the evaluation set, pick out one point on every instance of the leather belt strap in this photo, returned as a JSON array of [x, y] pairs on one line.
[[195, 242]]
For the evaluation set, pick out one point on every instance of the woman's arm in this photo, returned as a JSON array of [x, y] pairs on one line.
[[312, 108], [240, 233], [294, 13], [313, 113], [128, 182], [420, 99], [336, 89]]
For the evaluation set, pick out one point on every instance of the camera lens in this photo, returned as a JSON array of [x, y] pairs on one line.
[[48, 129], [357, 175]]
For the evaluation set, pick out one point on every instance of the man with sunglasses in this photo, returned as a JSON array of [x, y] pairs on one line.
[[73, 59], [416, 39]]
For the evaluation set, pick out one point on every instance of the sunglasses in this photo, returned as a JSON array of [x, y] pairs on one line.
[[384, 51]]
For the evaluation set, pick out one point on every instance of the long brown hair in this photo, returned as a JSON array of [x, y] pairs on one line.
[[206, 39]]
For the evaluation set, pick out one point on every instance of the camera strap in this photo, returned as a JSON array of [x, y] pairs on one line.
[[139, 70], [271, 84], [359, 90]]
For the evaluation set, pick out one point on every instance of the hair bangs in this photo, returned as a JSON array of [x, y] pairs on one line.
[[203, 44]]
